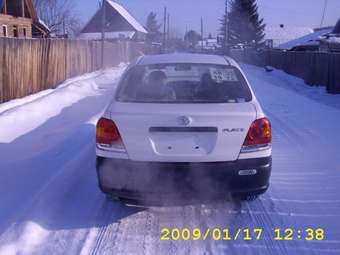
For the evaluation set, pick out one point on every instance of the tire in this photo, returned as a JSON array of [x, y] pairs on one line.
[[245, 197], [111, 197]]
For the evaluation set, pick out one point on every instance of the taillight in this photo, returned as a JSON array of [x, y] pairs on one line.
[[107, 135], [259, 134]]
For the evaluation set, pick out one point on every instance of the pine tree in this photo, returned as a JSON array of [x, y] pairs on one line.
[[245, 26], [224, 28], [337, 28], [192, 37], [152, 26]]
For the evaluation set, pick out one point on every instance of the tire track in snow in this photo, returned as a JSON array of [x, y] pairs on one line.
[[30, 208], [139, 233], [105, 214], [263, 213], [59, 239], [112, 228]]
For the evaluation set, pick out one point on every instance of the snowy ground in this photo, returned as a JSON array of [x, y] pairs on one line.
[[50, 203]]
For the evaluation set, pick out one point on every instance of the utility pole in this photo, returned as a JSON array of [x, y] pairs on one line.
[[185, 37], [5, 7], [103, 31], [168, 32], [227, 33], [324, 13], [164, 31], [202, 35], [23, 8], [64, 28]]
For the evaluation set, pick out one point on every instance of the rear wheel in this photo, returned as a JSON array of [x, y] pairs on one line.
[[245, 197], [108, 194], [112, 197]]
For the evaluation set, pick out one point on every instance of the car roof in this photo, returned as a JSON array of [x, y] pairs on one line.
[[186, 58]]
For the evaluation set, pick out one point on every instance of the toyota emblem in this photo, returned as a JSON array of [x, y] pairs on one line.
[[184, 121]]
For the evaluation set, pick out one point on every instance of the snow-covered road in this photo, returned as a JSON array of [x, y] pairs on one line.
[[50, 203]]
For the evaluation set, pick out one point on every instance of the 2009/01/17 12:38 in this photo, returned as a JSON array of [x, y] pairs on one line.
[[218, 234]]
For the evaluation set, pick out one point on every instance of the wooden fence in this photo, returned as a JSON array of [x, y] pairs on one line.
[[314, 67], [29, 66]]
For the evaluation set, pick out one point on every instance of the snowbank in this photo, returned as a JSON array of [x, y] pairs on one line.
[[20, 116]]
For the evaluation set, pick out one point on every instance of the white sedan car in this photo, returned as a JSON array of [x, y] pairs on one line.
[[183, 126]]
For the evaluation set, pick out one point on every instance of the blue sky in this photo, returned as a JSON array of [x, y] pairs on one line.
[[187, 13]]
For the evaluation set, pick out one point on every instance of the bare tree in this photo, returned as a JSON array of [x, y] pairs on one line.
[[60, 16]]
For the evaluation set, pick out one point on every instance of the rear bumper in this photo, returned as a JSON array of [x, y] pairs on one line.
[[153, 181]]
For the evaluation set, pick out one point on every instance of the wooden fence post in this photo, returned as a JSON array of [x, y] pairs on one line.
[[31, 65]]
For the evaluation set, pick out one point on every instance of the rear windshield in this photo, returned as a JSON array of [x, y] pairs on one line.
[[183, 83]]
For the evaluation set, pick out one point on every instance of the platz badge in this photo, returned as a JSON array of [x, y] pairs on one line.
[[233, 130]]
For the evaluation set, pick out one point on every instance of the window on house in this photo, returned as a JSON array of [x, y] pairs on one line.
[[24, 32], [15, 31], [4, 31]]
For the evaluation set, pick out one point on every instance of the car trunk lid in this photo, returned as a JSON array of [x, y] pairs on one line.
[[183, 132]]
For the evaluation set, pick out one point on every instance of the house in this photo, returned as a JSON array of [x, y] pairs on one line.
[[277, 35], [324, 39], [309, 41], [331, 41], [119, 24], [208, 44], [18, 18]]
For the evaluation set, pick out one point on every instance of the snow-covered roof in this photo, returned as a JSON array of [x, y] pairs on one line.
[[333, 39], [307, 39], [108, 35], [281, 35], [208, 44], [43, 24], [129, 18]]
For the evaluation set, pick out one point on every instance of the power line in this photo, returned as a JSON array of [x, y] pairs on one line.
[[276, 7], [324, 13]]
